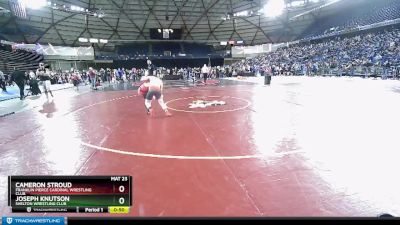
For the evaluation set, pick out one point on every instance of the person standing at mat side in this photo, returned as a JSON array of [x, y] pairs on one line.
[[44, 77], [92, 75], [19, 78], [205, 71], [150, 68], [155, 88], [3, 82]]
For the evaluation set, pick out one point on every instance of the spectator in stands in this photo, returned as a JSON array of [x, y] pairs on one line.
[[19, 78], [345, 55], [386, 68]]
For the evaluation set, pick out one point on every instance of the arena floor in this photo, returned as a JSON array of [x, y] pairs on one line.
[[304, 146]]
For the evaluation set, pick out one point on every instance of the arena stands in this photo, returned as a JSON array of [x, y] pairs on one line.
[[21, 60], [361, 13], [158, 50], [370, 54], [133, 49]]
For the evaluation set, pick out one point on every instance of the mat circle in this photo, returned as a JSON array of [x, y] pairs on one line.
[[246, 105]]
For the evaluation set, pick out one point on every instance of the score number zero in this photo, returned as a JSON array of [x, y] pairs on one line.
[[121, 188]]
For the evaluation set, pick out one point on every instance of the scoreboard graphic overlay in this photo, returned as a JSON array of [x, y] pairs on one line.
[[74, 194]]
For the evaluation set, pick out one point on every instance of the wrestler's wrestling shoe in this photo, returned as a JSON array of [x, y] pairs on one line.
[[168, 113], [150, 112]]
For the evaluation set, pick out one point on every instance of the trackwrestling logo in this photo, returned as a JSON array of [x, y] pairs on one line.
[[204, 104], [33, 220]]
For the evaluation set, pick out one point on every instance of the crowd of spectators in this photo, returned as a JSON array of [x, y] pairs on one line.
[[352, 15], [369, 54], [97, 77], [76, 77]]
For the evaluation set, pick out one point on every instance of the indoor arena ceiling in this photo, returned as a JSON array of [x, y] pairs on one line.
[[126, 21]]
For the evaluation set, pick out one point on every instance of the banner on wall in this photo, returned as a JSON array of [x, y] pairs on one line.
[[247, 51], [66, 53], [52, 52]]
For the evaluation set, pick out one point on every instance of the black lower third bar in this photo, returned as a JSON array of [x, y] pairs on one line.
[[121, 220], [184, 220]]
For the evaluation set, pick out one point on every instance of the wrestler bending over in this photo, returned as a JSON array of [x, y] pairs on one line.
[[152, 88]]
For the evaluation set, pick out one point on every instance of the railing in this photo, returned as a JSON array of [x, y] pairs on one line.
[[360, 71]]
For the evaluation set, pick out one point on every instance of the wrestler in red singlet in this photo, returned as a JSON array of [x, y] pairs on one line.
[[155, 88]]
